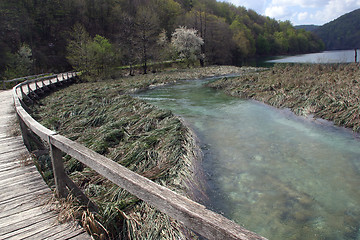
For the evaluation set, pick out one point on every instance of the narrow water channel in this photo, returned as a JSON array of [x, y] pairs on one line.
[[279, 175]]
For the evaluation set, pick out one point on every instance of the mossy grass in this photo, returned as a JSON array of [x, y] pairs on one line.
[[141, 137], [328, 91]]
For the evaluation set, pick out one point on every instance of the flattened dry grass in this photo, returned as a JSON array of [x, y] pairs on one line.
[[139, 136], [328, 91]]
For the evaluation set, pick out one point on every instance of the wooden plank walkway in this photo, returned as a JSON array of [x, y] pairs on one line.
[[24, 213]]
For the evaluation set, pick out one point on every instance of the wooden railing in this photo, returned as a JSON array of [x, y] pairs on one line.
[[191, 214], [17, 80]]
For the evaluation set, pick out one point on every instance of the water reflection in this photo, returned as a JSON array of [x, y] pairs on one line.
[[281, 176], [339, 56]]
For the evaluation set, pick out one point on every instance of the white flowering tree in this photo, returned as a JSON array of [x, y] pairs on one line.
[[187, 43]]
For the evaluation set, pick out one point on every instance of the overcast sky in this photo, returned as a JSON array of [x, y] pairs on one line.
[[299, 12]]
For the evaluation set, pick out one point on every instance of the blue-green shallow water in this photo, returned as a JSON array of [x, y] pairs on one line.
[[282, 176], [339, 56]]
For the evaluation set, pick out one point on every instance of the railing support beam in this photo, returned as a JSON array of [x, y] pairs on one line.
[[59, 171], [64, 185], [24, 132]]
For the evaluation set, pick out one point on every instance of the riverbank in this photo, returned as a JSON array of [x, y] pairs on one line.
[[328, 91], [145, 139]]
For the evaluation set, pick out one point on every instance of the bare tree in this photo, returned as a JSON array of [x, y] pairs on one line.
[[127, 40], [147, 25]]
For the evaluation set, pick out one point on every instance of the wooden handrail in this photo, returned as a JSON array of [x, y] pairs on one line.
[[23, 79], [191, 214]]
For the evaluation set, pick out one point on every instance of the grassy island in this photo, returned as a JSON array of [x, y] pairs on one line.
[[150, 141], [328, 91]]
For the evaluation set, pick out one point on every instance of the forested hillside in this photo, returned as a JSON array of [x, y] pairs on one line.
[[342, 33], [34, 34], [307, 27]]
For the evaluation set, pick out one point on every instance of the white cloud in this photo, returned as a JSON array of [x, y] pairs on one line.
[[300, 3], [335, 8], [310, 12], [257, 5], [301, 11], [302, 16], [276, 11]]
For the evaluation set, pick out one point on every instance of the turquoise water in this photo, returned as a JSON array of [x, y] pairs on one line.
[[282, 176], [340, 56]]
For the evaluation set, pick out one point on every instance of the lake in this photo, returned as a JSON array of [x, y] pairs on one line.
[[341, 56], [277, 174]]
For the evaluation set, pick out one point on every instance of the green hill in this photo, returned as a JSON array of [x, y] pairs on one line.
[[342, 33], [307, 27]]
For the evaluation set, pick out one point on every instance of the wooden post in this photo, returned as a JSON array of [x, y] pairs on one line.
[[59, 172], [25, 96], [355, 55], [62, 180], [29, 89], [24, 132], [22, 91], [37, 86]]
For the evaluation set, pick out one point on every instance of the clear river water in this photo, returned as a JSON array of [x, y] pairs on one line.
[[277, 174], [340, 56]]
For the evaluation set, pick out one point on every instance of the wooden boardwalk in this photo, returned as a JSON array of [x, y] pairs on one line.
[[24, 213]]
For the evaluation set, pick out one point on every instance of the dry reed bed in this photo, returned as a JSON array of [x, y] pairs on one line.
[[145, 139], [328, 91]]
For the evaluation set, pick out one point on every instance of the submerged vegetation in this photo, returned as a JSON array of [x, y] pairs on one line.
[[139, 136], [329, 91]]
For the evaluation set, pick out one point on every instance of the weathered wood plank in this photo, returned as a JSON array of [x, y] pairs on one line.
[[3, 133], [20, 206], [61, 232], [5, 147], [21, 183], [29, 231], [10, 157], [11, 147], [77, 237], [40, 196], [23, 193], [21, 187], [22, 224], [23, 216], [11, 150], [10, 140], [23, 178], [8, 166], [7, 178]]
